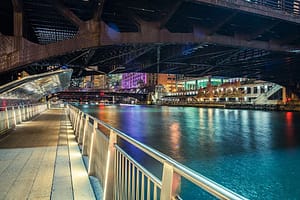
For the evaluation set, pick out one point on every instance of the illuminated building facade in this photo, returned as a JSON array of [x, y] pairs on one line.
[[95, 81], [136, 80], [168, 81], [203, 82]]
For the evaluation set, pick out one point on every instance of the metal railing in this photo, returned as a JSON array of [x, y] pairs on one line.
[[10, 116], [121, 176], [289, 6]]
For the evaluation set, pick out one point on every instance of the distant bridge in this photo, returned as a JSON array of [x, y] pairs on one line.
[[100, 94]]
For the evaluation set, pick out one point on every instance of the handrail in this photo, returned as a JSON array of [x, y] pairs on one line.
[[208, 185], [13, 115], [21, 105]]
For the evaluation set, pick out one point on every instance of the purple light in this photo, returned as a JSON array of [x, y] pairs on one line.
[[133, 80]]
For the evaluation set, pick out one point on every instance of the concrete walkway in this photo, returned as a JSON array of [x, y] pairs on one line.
[[41, 160]]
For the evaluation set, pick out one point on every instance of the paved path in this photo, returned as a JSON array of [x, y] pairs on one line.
[[41, 160]]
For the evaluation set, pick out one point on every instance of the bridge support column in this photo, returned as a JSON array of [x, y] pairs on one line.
[[18, 21], [18, 24]]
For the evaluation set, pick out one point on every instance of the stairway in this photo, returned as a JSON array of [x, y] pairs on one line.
[[263, 98]]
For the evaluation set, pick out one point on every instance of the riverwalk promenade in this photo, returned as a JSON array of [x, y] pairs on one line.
[[40, 159]]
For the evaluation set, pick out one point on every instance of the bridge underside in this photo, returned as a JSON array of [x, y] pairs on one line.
[[190, 60], [196, 37]]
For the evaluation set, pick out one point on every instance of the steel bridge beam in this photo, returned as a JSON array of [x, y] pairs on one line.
[[100, 36], [253, 7]]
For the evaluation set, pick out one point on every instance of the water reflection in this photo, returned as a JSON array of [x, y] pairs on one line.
[[289, 129], [175, 136], [208, 132]]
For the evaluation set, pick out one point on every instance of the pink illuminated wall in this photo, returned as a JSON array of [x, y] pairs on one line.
[[132, 80]]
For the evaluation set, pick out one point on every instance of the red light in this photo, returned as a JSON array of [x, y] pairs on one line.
[[289, 128], [289, 117]]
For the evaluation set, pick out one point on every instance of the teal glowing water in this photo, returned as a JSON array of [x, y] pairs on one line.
[[254, 153]]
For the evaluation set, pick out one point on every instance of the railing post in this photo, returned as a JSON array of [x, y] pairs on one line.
[[27, 112], [7, 120], [31, 111], [20, 114], [170, 183], [75, 116], [14, 115], [72, 116], [81, 134], [84, 147], [24, 113], [80, 125], [91, 169], [76, 121], [109, 174]]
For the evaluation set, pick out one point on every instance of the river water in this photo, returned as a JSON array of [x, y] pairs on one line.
[[254, 153]]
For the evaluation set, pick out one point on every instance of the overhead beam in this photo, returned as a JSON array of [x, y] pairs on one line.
[[89, 56], [17, 5], [68, 14], [137, 21], [170, 14], [290, 39], [216, 27], [251, 8], [262, 30], [98, 11], [151, 33], [18, 18], [137, 55]]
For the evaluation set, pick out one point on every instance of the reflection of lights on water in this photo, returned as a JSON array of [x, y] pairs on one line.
[[101, 106], [175, 135], [289, 117], [85, 106], [289, 127]]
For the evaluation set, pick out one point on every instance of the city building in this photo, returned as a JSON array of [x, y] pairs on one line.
[[114, 81], [136, 80], [95, 81], [190, 84], [168, 81], [231, 90], [100, 81]]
